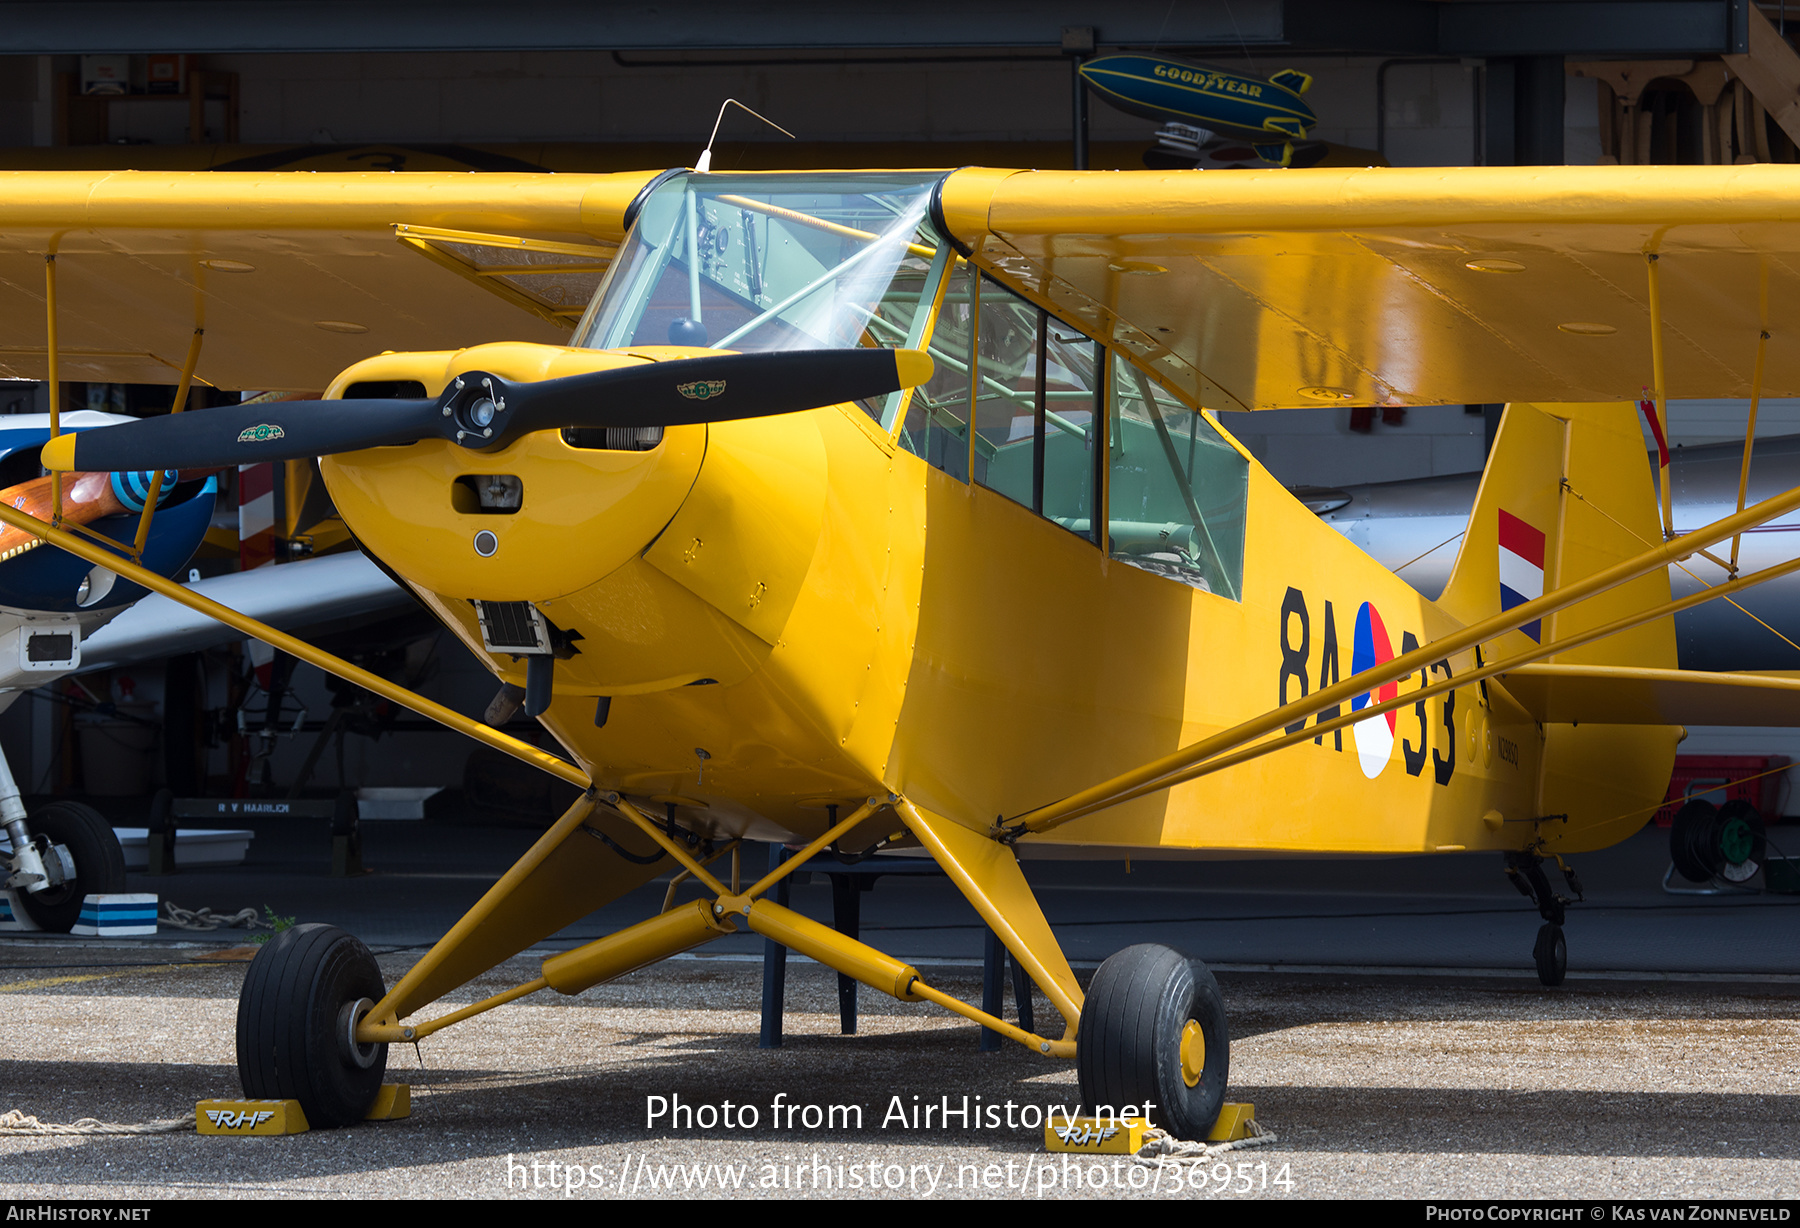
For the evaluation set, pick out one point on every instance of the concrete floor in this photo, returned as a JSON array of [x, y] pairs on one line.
[[1384, 1018], [1375, 1086]]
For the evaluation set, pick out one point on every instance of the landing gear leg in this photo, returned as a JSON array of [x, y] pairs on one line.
[[1551, 953], [61, 855]]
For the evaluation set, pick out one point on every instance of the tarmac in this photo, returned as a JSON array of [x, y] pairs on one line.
[[1385, 1021]]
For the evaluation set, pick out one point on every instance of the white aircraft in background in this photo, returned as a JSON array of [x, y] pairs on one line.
[[1414, 527]]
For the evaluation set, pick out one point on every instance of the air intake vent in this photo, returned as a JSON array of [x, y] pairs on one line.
[[512, 626], [613, 438]]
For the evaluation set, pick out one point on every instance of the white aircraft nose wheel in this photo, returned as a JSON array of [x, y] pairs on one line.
[[99, 864], [295, 1025], [1153, 1029], [1551, 954]]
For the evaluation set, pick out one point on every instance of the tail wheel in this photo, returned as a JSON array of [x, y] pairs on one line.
[[99, 864], [1153, 1030], [1694, 843], [1551, 954], [297, 1015]]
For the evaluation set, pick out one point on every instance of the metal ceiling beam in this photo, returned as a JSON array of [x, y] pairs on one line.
[[1475, 28], [76, 26]]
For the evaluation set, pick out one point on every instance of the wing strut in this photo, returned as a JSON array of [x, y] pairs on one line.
[[392, 692], [1174, 768], [1507, 666], [156, 477], [1762, 350], [55, 381], [1662, 400]]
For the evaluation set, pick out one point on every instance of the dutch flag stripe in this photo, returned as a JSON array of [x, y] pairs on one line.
[[1521, 539], [1521, 567]]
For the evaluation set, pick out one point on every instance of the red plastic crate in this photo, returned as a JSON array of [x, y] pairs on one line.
[[1706, 773]]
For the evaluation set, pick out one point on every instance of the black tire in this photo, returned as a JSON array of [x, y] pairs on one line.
[[99, 863], [1743, 842], [1551, 954], [1129, 1047], [1694, 842], [293, 1026]]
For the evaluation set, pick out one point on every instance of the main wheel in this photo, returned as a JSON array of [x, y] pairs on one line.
[[1153, 1030], [1694, 842], [99, 864], [305, 992], [1551, 954]]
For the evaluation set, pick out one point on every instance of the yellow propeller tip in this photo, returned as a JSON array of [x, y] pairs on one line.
[[59, 454], [914, 367]]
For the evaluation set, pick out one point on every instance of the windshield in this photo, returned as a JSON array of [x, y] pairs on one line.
[[770, 262]]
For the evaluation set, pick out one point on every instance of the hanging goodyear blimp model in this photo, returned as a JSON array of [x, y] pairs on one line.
[[1267, 112]]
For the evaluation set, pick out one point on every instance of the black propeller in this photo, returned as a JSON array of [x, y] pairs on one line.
[[482, 412]]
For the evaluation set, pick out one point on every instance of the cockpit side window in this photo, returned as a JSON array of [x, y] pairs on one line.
[[1036, 422], [1037, 394], [1028, 386], [936, 428], [1177, 492]]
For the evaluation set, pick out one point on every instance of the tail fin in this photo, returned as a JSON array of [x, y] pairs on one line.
[[1568, 491]]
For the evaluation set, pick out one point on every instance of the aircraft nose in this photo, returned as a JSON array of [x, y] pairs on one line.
[[548, 514]]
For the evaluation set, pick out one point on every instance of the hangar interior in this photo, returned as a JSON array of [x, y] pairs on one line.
[[392, 85]]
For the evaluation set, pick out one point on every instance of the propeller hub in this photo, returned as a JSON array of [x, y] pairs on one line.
[[478, 404]]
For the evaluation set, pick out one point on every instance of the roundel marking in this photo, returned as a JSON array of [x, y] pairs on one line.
[[1374, 738]]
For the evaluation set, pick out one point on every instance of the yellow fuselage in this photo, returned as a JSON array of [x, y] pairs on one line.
[[793, 612]]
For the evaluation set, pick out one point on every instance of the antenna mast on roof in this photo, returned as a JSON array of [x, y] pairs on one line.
[[705, 163]]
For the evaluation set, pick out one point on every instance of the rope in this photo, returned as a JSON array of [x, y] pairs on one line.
[[1665, 803], [177, 917], [14, 1122], [1163, 1150]]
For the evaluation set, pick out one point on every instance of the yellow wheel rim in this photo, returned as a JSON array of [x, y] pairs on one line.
[[1193, 1053]]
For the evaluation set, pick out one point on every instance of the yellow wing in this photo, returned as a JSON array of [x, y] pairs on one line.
[[292, 276], [1265, 289], [1244, 289]]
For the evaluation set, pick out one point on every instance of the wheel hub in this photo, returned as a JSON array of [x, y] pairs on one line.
[[363, 1056], [1193, 1053]]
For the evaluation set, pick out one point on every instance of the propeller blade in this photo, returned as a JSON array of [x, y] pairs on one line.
[[243, 435], [483, 412], [716, 388]]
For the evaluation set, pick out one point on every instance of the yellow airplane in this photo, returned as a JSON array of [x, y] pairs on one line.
[[897, 511]]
